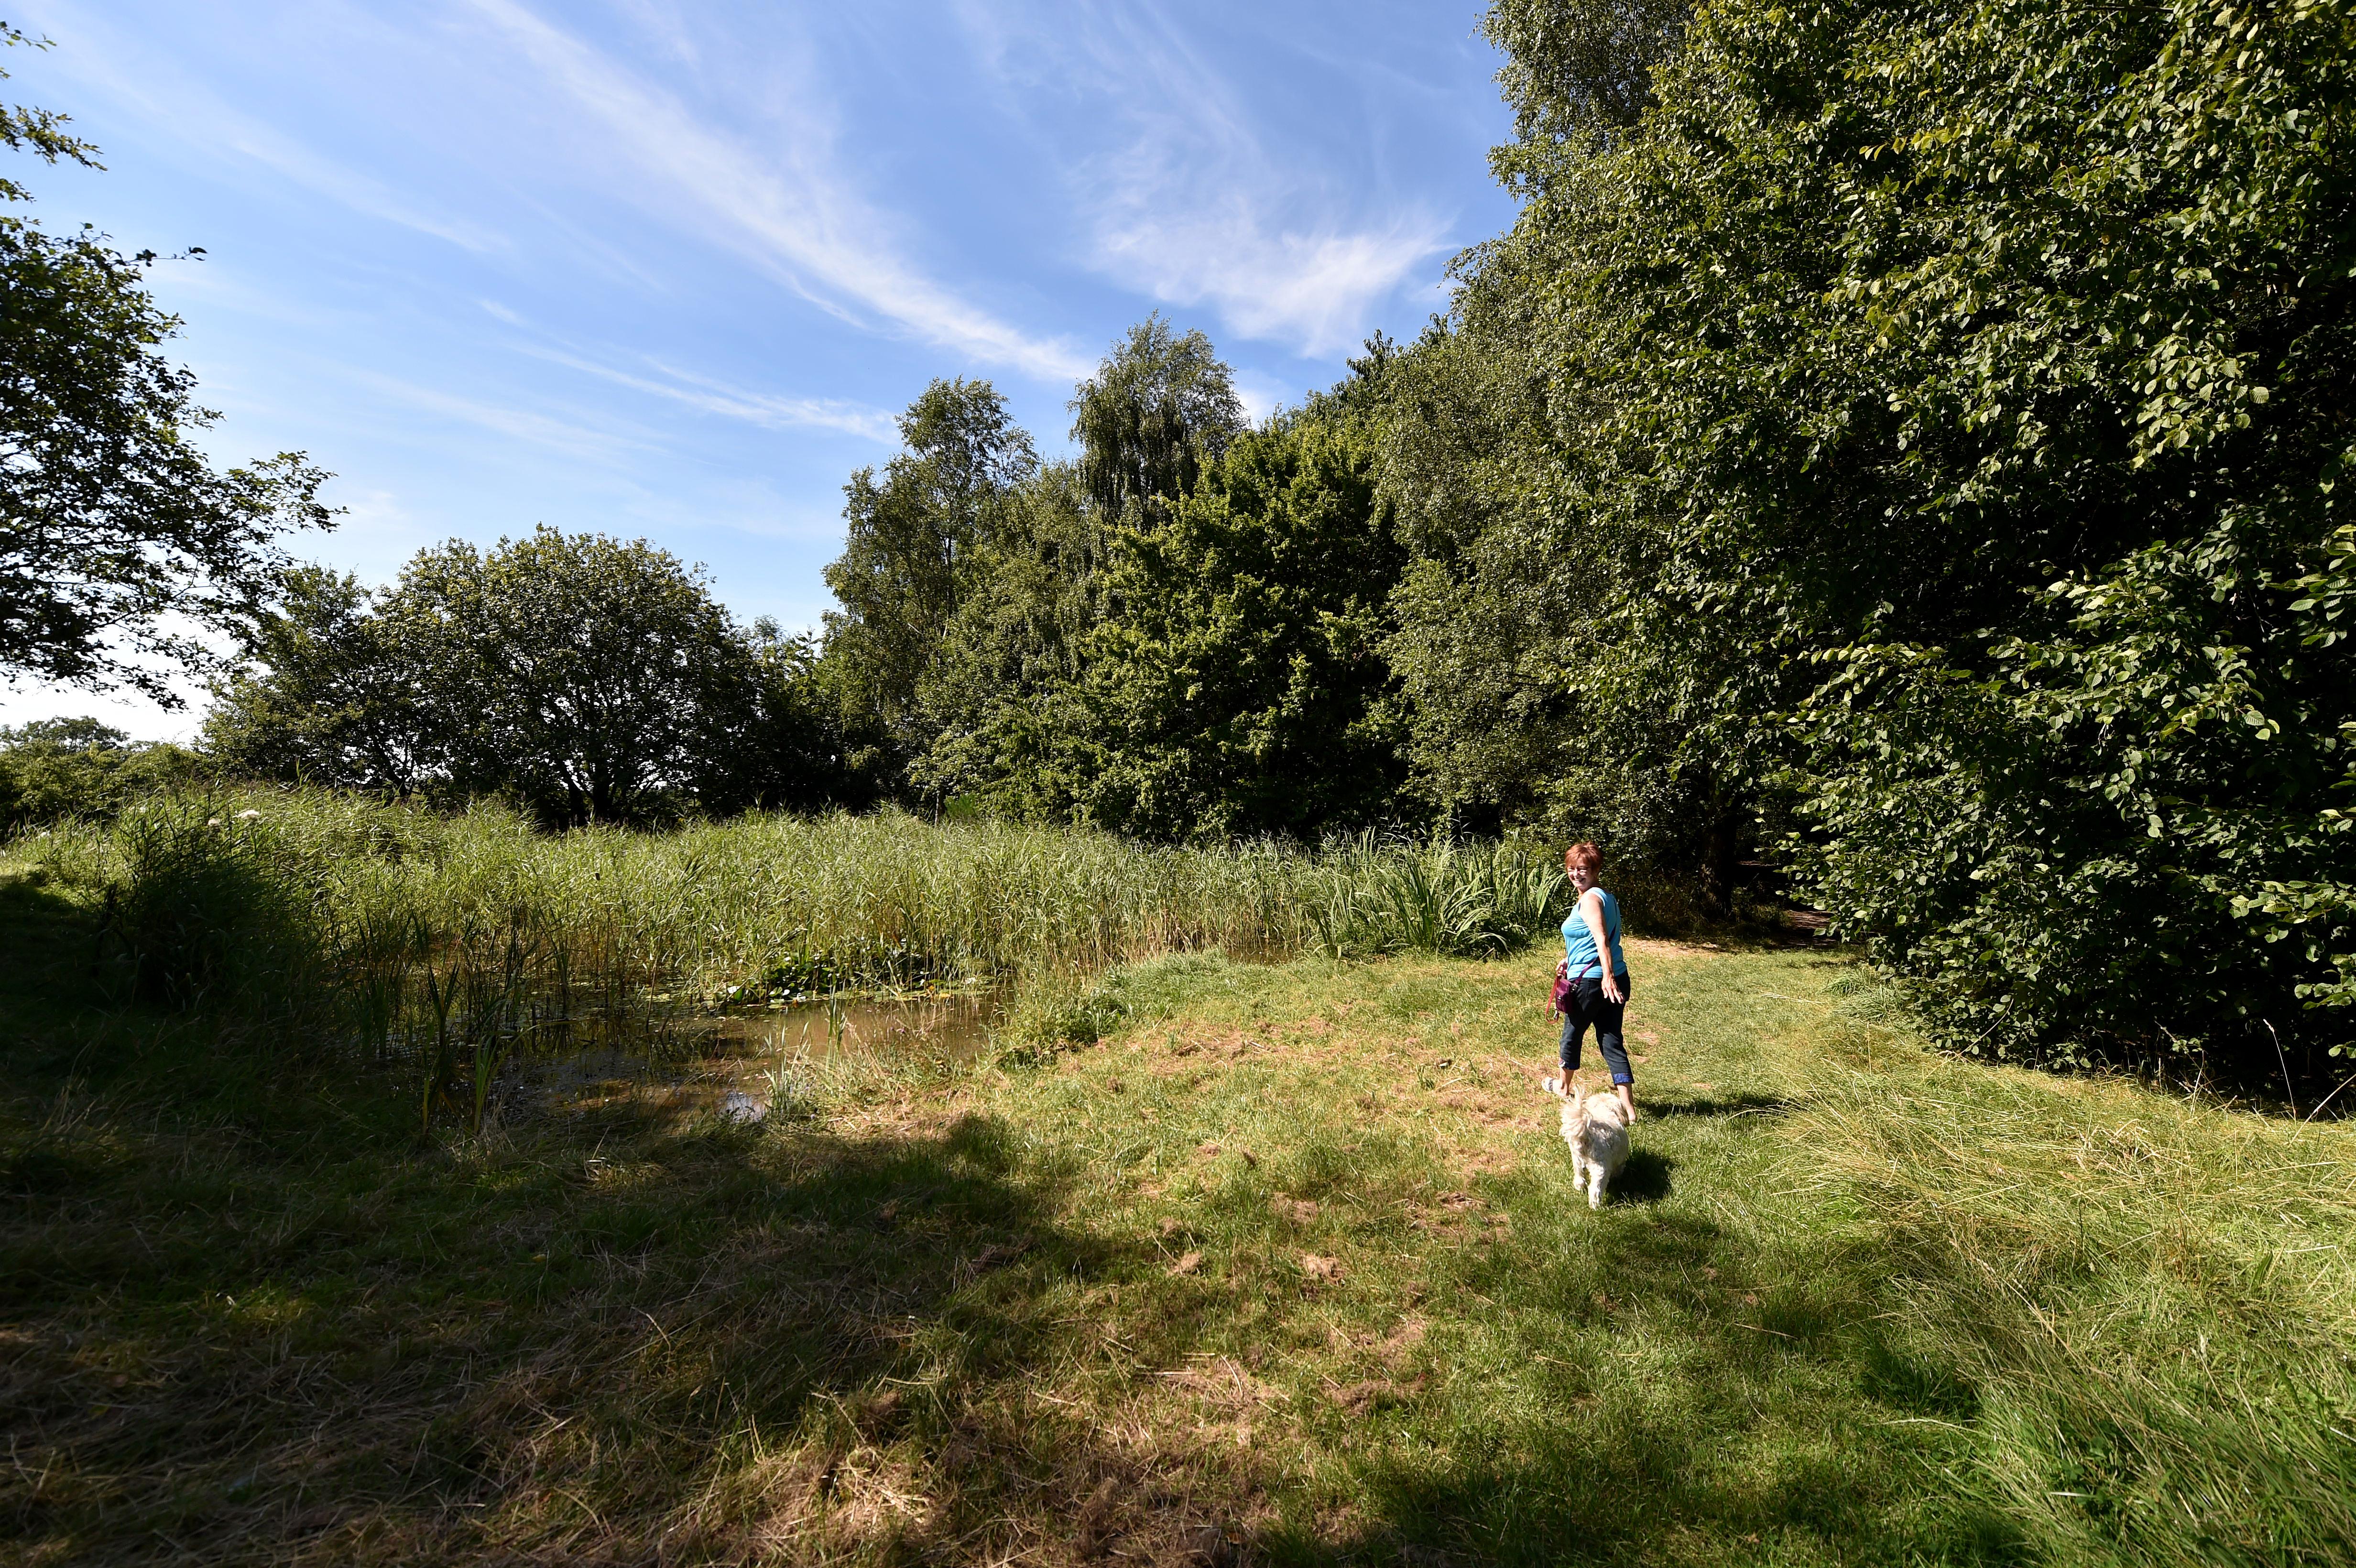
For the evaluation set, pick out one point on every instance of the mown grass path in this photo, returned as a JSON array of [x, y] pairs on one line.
[[1289, 1269]]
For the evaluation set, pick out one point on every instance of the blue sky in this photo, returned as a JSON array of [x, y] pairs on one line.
[[668, 270]]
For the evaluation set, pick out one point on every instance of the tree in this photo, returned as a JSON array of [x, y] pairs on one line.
[[777, 740], [589, 675], [1237, 684], [906, 556], [109, 519], [591, 678], [82, 734], [1937, 400], [1009, 657], [53, 768], [328, 693], [1577, 70], [1157, 411]]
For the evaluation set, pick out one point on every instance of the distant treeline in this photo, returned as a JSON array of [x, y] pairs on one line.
[[1899, 445]]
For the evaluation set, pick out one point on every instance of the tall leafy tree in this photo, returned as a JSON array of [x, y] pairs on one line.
[[589, 675], [1005, 675], [911, 534], [1159, 408], [1237, 684], [1938, 402], [593, 678], [111, 520], [329, 693], [774, 738], [1578, 70], [1526, 707]]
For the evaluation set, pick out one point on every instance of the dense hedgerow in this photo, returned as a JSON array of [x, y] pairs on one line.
[[1936, 413]]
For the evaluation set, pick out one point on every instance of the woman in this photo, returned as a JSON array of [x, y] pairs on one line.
[[1597, 993]]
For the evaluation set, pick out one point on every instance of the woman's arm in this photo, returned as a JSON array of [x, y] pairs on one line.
[[1591, 909]]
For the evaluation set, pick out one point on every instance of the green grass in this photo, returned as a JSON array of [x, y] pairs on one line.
[[1856, 1303]]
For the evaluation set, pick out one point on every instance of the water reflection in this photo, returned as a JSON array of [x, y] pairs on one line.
[[730, 1062], [956, 1024]]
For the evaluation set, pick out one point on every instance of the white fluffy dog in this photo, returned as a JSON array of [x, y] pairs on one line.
[[1597, 1136]]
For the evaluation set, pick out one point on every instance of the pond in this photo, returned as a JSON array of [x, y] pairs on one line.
[[725, 1062]]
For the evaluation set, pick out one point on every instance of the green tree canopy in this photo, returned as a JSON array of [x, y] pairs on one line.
[[111, 520], [51, 768], [329, 693], [583, 673], [1236, 685], [907, 553], [1576, 69], [1010, 655], [1157, 409], [593, 679], [1929, 404]]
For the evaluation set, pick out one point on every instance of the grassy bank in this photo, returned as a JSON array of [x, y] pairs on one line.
[[1288, 1267]]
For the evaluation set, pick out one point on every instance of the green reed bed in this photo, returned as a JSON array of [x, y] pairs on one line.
[[456, 940], [789, 903], [792, 903]]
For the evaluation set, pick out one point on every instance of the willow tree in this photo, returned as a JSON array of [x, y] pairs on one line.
[[1158, 408]]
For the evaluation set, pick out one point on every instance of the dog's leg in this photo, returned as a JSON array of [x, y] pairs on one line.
[[1596, 1179]]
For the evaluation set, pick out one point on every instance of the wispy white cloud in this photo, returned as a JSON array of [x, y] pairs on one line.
[[756, 408], [697, 390], [1315, 290], [1192, 205], [789, 208], [599, 441], [238, 133], [151, 86]]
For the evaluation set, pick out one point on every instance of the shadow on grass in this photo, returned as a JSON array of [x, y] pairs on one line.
[[1645, 1179], [1723, 1105], [621, 1346], [1670, 1389], [49, 973], [634, 1343], [307, 1341], [1644, 1499]]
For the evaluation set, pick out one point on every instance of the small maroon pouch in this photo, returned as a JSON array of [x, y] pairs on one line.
[[1562, 988]]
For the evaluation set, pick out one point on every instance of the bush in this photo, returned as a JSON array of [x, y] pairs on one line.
[[1937, 415], [2129, 847], [1447, 896], [211, 909], [53, 768]]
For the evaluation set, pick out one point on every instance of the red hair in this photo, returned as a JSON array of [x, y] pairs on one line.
[[1584, 854]]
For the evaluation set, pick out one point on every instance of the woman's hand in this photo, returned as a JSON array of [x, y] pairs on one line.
[[1612, 991]]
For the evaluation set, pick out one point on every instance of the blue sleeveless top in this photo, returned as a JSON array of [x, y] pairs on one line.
[[1578, 945]]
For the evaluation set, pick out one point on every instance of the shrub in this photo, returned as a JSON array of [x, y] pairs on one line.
[[210, 908], [58, 768]]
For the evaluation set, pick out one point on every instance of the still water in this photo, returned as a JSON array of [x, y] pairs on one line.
[[726, 1061], [956, 1024]]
